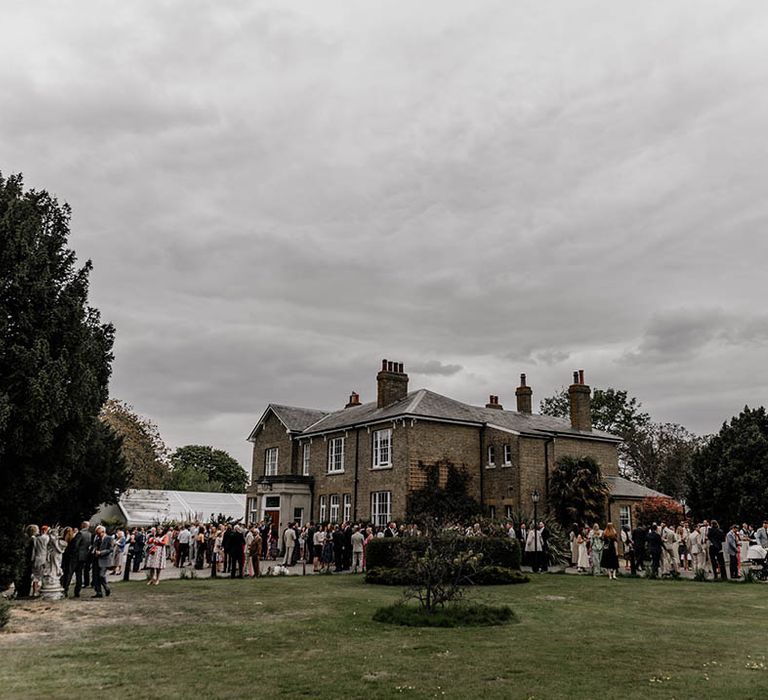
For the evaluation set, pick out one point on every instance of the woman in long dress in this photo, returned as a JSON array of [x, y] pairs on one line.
[[156, 556], [596, 548], [573, 536], [610, 558], [583, 558]]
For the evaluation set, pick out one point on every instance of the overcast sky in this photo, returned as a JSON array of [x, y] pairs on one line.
[[277, 195]]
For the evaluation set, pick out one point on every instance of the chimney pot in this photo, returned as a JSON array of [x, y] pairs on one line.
[[524, 395], [580, 403], [493, 402], [392, 383]]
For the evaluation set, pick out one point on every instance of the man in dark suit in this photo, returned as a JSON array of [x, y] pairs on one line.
[[310, 547], [225, 538], [236, 552], [391, 530], [81, 554], [102, 555], [716, 538], [347, 559], [639, 536], [338, 547], [138, 548], [653, 540]]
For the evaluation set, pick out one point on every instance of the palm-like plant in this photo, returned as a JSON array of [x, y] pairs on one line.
[[577, 491]]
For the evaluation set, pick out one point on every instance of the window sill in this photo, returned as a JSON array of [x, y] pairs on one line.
[[340, 471], [507, 465], [490, 466], [381, 468]]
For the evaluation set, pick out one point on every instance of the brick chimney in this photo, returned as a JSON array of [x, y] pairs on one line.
[[523, 394], [354, 400], [392, 383], [580, 403], [493, 402]]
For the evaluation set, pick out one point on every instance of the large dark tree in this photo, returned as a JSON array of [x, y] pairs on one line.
[[56, 461], [203, 468], [577, 491], [729, 475]]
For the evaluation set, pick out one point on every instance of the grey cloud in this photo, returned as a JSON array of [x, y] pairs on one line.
[[433, 367]]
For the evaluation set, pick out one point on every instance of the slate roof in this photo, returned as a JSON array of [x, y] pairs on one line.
[[296, 419], [427, 404], [624, 488]]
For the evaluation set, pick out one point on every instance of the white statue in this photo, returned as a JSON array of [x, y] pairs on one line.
[[51, 568]]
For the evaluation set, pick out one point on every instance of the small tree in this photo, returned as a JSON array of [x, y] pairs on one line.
[[658, 509], [203, 468], [577, 491]]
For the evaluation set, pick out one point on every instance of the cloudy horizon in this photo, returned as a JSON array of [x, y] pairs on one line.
[[276, 196]]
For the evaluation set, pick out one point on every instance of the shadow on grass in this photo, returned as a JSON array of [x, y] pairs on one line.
[[471, 615]]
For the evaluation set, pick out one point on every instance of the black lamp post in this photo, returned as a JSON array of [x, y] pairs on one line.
[[535, 499]]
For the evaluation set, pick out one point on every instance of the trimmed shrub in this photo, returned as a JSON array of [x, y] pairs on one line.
[[485, 576], [5, 612], [388, 552], [453, 616]]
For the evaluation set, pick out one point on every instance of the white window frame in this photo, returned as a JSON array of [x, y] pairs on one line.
[[382, 448], [507, 455], [508, 512], [300, 519], [336, 455], [346, 507], [492, 512], [491, 456], [333, 510], [628, 511], [322, 509], [271, 456], [381, 508], [305, 460]]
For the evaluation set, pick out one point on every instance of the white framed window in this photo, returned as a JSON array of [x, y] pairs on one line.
[[382, 448], [334, 518], [305, 460], [381, 507], [492, 512], [323, 509], [270, 461], [508, 512], [625, 517], [347, 512], [507, 455], [336, 455], [271, 502], [298, 516], [253, 510], [491, 456]]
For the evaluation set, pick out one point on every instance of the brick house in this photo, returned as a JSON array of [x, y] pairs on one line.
[[360, 462]]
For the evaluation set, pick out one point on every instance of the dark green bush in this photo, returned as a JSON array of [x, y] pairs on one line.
[[5, 612], [452, 616], [387, 552], [485, 576]]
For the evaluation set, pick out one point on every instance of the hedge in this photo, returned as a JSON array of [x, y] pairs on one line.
[[386, 552], [485, 576]]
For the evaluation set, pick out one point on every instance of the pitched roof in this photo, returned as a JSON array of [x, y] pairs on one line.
[[624, 488], [427, 404], [146, 507], [294, 418]]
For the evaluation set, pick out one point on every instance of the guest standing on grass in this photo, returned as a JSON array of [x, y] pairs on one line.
[[573, 536], [639, 538], [732, 547], [357, 542], [596, 548], [654, 544], [583, 560], [200, 548], [255, 552], [236, 552], [289, 544], [68, 560], [102, 554], [157, 542], [366, 542], [610, 557], [694, 546], [716, 538]]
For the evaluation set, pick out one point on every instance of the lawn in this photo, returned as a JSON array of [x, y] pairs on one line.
[[577, 637]]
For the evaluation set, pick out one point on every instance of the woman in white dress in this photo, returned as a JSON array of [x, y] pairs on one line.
[[583, 558]]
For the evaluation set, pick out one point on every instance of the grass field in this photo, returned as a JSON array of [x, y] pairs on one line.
[[577, 637]]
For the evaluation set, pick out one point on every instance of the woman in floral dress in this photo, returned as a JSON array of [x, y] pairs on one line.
[[156, 556]]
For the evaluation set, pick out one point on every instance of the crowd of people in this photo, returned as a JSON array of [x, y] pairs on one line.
[[90, 555], [696, 547]]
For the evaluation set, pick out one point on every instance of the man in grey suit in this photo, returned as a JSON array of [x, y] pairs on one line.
[[82, 553], [102, 554]]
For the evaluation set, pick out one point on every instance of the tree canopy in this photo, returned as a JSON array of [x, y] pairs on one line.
[[58, 463], [144, 451], [577, 491], [203, 468], [729, 474]]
